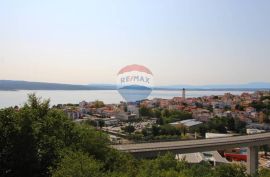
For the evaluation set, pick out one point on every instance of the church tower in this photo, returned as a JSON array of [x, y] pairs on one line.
[[184, 94]]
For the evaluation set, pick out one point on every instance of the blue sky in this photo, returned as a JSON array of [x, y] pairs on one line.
[[181, 41]]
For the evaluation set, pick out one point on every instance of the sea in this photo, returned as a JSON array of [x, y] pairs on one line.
[[13, 98]]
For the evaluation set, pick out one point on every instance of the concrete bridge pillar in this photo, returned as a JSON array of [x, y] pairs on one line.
[[252, 160]]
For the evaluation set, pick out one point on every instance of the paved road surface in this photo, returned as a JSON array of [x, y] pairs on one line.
[[153, 149]]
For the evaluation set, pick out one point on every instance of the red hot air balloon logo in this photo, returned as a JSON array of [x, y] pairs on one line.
[[135, 82]]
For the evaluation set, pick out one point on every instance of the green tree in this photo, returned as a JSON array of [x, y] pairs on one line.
[[98, 104], [160, 121], [165, 113], [230, 170], [33, 138], [264, 173], [231, 124], [201, 129], [121, 164], [145, 111], [239, 107], [78, 164], [157, 113], [266, 149], [91, 123], [22, 146], [217, 125], [155, 130], [240, 126], [169, 130], [175, 115], [101, 123], [87, 139], [199, 170], [162, 166], [129, 129], [18, 153]]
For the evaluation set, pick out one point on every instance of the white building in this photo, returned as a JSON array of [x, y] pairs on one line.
[[254, 131], [187, 123], [212, 156], [217, 135]]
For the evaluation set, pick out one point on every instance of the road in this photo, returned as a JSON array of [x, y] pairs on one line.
[[191, 146]]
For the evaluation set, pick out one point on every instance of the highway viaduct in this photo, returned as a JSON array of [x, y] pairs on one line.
[[151, 150]]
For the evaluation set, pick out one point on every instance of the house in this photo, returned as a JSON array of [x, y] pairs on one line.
[[218, 105], [110, 121], [195, 158], [123, 116], [164, 103], [201, 114], [83, 104], [133, 109], [74, 114]]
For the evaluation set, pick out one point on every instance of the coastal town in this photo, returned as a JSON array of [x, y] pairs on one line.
[[251, 110], [181, 118]]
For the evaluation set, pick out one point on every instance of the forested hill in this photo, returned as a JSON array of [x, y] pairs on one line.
[[25, 85]]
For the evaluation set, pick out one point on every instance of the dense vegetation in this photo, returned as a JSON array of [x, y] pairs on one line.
[[263, 106], [169, 132], [37, 141], [35, 138], [164, 131], [221, 125], [165, 116]]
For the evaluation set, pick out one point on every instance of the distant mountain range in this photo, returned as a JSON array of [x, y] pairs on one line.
[[248, 86], [26, 85]]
